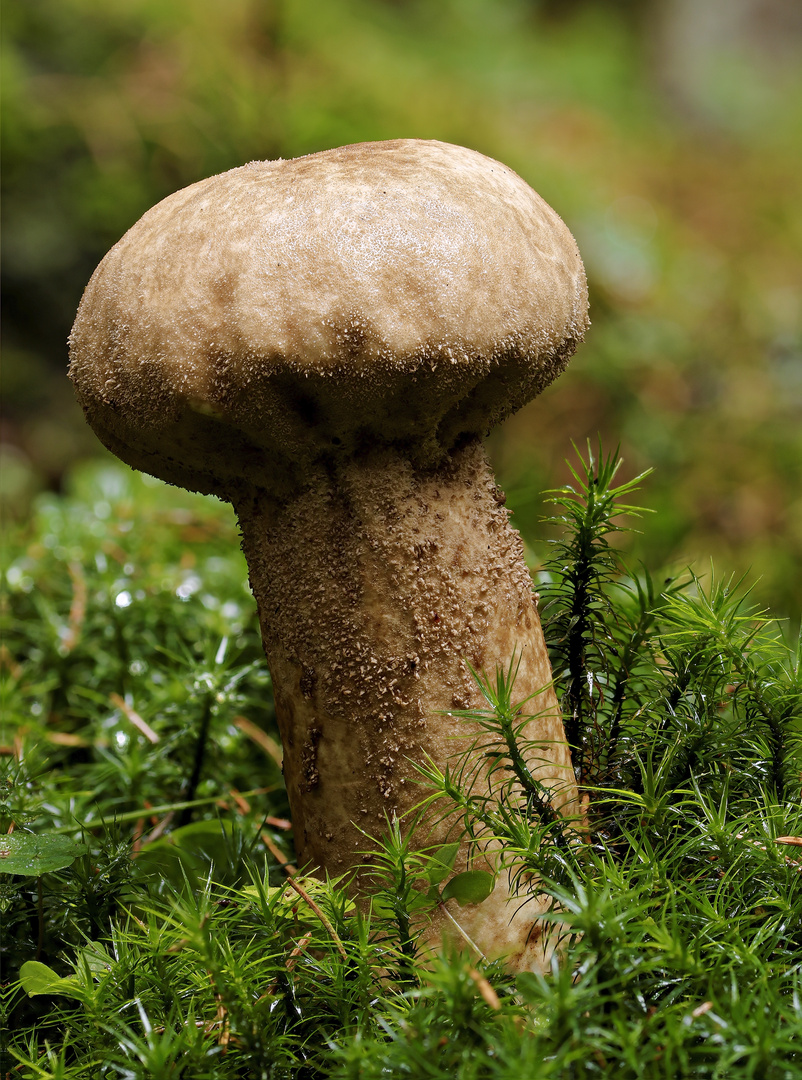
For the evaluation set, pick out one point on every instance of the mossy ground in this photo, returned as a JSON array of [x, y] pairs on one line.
[[149, 929]]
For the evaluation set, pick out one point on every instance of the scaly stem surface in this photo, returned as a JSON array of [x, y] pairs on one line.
[[374, 587]]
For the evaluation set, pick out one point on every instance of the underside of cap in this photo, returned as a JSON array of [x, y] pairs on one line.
[[410, 293]]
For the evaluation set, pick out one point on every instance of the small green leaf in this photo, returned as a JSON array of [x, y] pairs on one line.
[[470, 887], [418, 901], [38, 979], [433, 894], [441, 863], [95, 957], [381, 907], [32, 856]]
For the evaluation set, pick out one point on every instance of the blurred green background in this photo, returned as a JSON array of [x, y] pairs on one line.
[[667, 134]]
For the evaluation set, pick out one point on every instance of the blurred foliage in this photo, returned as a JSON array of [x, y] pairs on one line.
[[667, 134]]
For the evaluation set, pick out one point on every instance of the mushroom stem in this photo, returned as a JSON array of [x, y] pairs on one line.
[[375, 585]]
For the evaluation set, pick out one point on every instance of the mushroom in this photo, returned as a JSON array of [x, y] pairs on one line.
[[323, 342]]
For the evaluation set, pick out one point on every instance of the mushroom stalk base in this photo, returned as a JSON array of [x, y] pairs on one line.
[[374, 587]]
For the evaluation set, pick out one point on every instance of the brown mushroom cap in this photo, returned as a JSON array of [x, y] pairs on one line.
[[409, 293]]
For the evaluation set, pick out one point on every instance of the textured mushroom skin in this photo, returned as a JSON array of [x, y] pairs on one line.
[[374, 587], [406, 292], [323, 342]]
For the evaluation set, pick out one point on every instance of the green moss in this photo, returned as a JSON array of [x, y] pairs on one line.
[[162, 944]]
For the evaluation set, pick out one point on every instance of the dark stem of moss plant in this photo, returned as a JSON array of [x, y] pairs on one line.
[[40, 936], [579, 611], [538, 798], [406, 939], [576, 699], [188, 794]]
